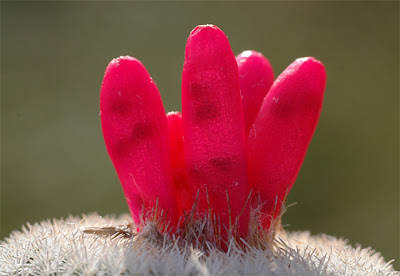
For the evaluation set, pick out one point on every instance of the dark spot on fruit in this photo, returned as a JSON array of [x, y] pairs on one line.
[[203, 104], [225, 164], [143, 131], [130, 142], [205, 111], [119, 105], [199, 92]]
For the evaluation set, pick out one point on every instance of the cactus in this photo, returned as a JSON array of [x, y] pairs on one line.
[[93, 245], [206, 188]]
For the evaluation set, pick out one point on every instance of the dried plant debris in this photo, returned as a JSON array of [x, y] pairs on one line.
[[94, 245]]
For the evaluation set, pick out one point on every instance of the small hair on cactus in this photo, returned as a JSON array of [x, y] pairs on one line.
[[237, 146]]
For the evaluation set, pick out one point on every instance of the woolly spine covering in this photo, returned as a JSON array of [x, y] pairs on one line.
[[62, 247]]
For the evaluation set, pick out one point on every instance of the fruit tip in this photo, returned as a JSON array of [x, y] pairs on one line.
[[203, 29]]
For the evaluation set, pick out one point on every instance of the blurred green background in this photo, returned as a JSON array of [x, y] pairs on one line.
[[53, 56]]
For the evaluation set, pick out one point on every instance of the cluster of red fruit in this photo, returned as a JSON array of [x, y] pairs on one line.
[[240, 132]]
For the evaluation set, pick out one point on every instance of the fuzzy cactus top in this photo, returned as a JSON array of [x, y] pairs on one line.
[[91, 245]]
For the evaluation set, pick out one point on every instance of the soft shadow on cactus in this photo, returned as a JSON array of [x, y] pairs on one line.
[[206, 188]]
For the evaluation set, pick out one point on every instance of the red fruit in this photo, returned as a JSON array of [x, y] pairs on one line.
[[136, 136], [256, 77], [213, 127], [282, 131], [175, 132]]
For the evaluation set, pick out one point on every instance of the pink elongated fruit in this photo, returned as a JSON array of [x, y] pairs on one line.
[[175, 132], [282, 131], [256, 77], [135, 131], [213, 127]]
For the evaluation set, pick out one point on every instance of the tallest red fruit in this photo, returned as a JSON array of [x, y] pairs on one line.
[[213, 127]]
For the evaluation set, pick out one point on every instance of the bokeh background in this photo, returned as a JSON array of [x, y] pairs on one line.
[[53, 56]]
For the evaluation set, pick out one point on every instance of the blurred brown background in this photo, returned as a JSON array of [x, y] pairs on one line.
[[53, 56]]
